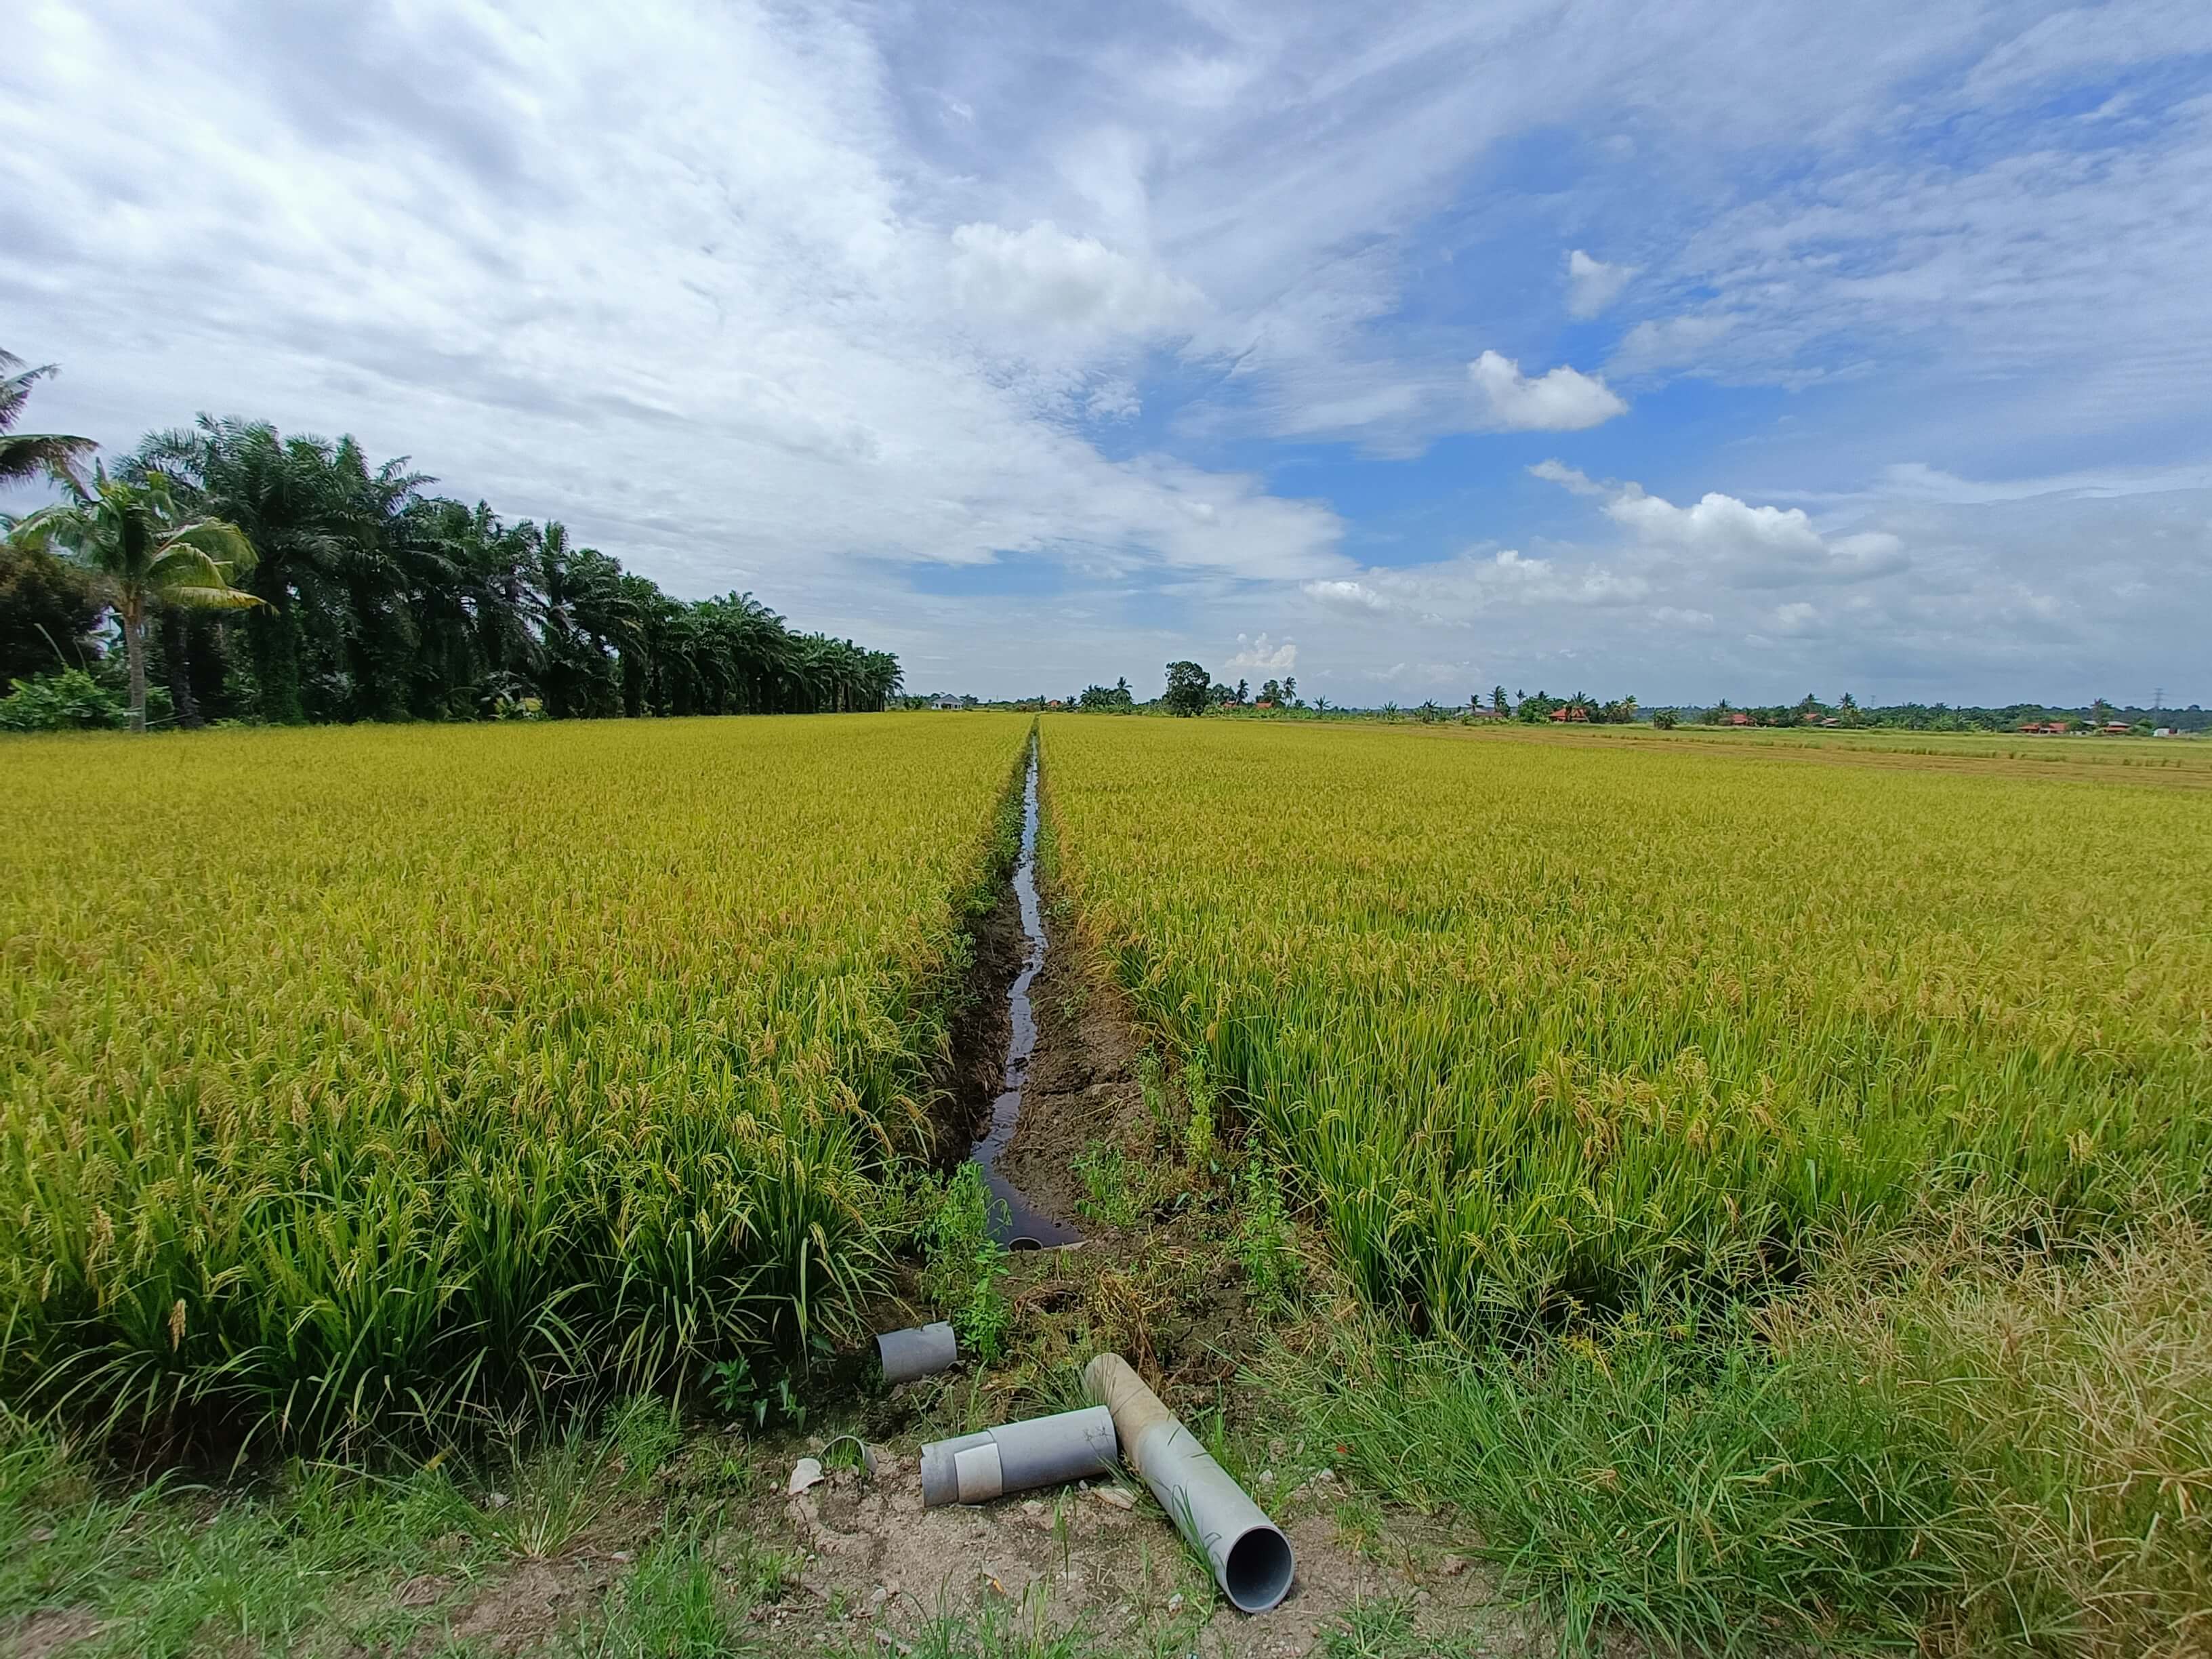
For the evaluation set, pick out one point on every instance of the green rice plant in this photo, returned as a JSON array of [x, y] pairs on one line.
[[397, 1079], [1547, 1027]]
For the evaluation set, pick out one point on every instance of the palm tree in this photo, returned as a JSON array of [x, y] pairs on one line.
[[149, 554], [27, 454]]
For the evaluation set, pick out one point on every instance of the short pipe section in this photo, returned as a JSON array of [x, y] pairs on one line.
[[1044, 1451], [1252, 1561], [921, 1352]]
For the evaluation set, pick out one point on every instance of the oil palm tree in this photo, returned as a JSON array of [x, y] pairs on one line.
[[132, 535], [25, 455]]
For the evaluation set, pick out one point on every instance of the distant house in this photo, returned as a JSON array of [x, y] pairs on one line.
[[1736, 717], [2114, 729], [945, 700], [1054, 702], [1831, 720], [1263, 703], [2046, 728], [2166, 731], [1569, 713]]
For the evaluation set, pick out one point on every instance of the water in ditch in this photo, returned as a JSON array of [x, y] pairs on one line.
[[1018, 1223]]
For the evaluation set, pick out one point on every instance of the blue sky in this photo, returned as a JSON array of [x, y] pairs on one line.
[[1710, 349]]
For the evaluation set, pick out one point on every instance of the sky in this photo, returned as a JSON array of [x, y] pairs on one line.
[[1726, 348]]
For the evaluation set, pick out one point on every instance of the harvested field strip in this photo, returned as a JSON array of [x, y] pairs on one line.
[[1541, 1027], [403, 1076]]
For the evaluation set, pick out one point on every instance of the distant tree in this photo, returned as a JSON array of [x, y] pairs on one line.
[[48, 608], [1498, 700], [1101, 699], [1188, 686], [1244, 692], [1272, 691], [1290, 690], [1664, 720], [28, 455], [147, 554]]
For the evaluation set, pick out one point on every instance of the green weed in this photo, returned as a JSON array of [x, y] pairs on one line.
[[965, 1264]]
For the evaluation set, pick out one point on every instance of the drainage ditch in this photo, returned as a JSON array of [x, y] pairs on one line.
[[1015, 1221]]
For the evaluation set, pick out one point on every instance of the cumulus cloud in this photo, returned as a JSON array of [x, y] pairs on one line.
[[1592, 284], [1761, 545], [1346, 594], [1563, 400], [1045, 276], [1753, 546], [1263, 656]]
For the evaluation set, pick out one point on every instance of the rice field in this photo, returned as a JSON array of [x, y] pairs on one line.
[[1539, 1025], [354, 1080]]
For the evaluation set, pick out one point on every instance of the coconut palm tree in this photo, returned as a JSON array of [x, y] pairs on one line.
[[149, 553], [28, 454]]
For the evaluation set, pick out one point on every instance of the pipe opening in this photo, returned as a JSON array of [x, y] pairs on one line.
[[1257, 1571]]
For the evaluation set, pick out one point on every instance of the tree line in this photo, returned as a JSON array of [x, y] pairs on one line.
[[250, 575]]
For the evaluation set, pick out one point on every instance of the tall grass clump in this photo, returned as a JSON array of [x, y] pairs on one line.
[[398, 1079], [1548, 1028]]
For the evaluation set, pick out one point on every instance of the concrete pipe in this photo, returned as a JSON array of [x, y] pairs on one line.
[[920, 1351], [1045, 1451], [1252, 1560]]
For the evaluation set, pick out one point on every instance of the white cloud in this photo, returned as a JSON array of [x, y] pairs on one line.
[[1261, 656], [1563, 400], [1344, 594], [1758, 546], [1797, 616], [2094, 38], [1570, 479], [1592, 284], [1671, 343], [1044, 276], [1682, 618]]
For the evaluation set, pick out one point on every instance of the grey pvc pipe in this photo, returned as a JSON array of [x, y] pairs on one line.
[[1252, 1560], [917, 1353], [1045, 1451]]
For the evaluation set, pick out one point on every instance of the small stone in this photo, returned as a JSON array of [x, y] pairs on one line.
[[1451, 1566], [495, 1500], [1120, 1498], [620, 1555], [1175, 1602], [1266, 1477], [807, 1472]]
